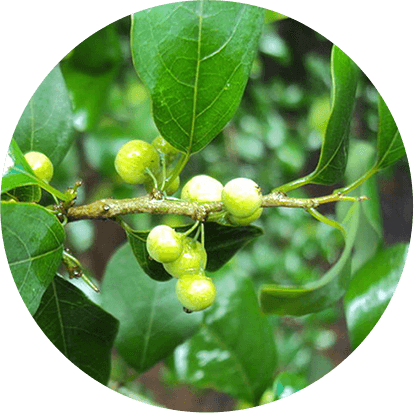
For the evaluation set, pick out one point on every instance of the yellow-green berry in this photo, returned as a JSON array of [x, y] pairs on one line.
[[40, 164], [202, 188], [192, 259], [133, 159], [164, 244], [166, 148], [242, 197], [248, 220], [195, 291]]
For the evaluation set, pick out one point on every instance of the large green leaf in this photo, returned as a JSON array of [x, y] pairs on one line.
[[371, 290], [89, 72], [197, 70], [80, 329], [33, 240], [234, 351], [17, 173], [46, 123], [333, 156], [152, 321], [390, 145], [221, 243], [320, 294]]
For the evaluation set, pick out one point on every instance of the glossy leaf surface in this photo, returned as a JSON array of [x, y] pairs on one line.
[[198, 69], [33, 239], [234, 351], [46, 123], [152, 321], [318, 295], [333, 157], [390, 144], [334, 152], [371, 290], [80, 329]]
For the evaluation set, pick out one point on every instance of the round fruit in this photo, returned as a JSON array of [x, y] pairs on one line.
[[202, 188], [195, 291], [41, 165], [132, 160], [164, 244], [248, 220], [242, 197], [192, 259]]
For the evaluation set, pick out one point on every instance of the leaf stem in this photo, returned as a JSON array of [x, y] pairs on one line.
[[322, 218], [358, 182]]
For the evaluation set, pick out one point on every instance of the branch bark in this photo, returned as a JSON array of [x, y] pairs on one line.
[[155, 204]]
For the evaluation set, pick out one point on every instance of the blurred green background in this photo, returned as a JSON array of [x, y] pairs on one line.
[[274, 138]]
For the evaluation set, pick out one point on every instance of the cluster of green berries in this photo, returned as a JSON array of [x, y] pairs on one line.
[[241, 197], [184, 258], [139, 162]]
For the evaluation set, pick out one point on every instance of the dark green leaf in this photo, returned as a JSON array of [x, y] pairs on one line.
[[390, 144], [80, 329], [152, 321], [371, 290], [46, 123], [27, 193], [333, 157], [89, 71], [320, 294], [17, 173], [33, 240], [198, 71], [234, 351], [221, 243]]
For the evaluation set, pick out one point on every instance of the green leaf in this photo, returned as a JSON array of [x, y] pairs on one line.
[[196, 71], [333, 156], [272, 16], [221, 243], [234, 351], [371, 290], [46, 123], [390, 145], [152, 321], [17, 173], [318, 295], [287, 383], [80, 329], [89, 72], [33, 239], [370, 233]]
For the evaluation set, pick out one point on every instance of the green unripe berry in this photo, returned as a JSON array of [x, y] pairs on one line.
[[202, 188], [164, 244], [242, 197], [195, 291], [132, 160], [192, 259], [248, 220], [41, 165]]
